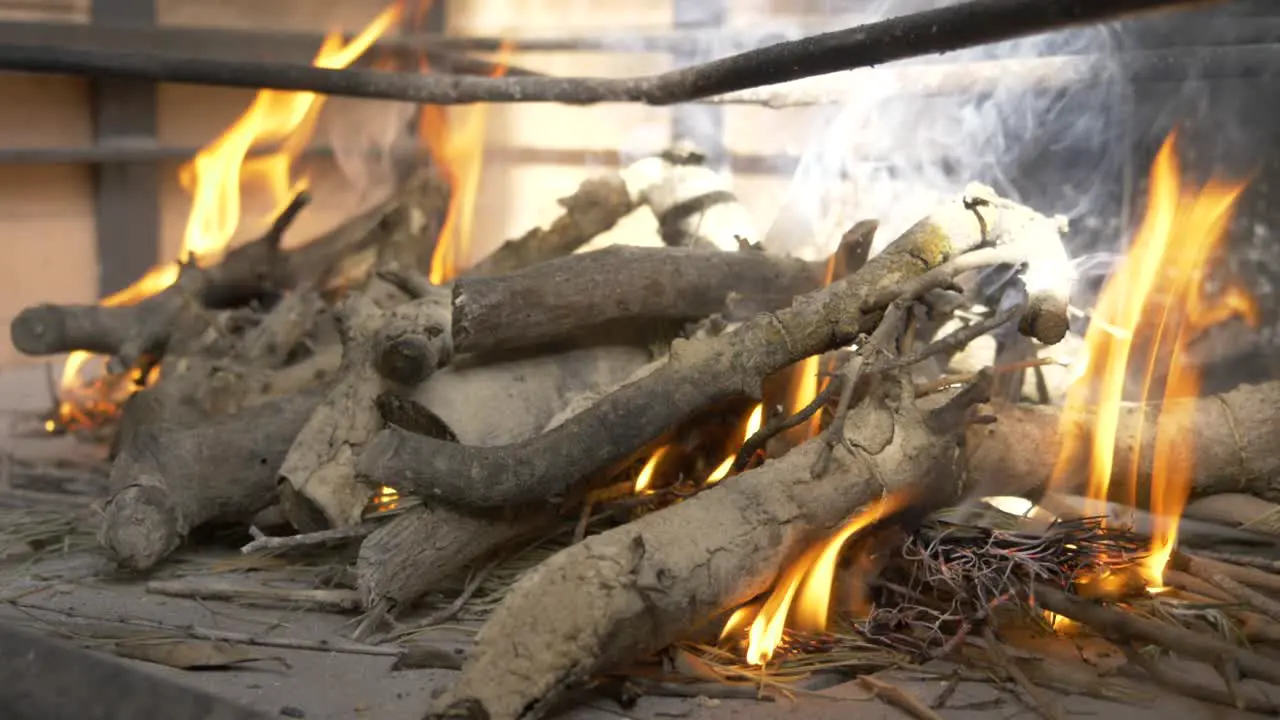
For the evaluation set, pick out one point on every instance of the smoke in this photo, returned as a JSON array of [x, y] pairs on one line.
[[891, 152], [371, 140]]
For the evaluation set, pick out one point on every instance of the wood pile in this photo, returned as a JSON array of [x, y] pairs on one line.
[[526, 393]]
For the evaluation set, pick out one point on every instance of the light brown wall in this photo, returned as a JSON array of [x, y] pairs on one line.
[[46, 211]]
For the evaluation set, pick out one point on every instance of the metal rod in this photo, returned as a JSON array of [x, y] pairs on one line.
[[1039, 73], [954, 27]]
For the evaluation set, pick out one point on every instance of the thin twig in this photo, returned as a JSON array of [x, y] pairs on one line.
[[1252, 561], [307, 540], [945, 29], [899, 698], [1044, 705], [201, 633]]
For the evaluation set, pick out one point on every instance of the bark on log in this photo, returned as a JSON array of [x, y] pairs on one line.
[[1233, 438], [320, 467], [597, 205], [702, 373], [571, 296], [493, 403], [170, 480], [254, 270], [633, 590]]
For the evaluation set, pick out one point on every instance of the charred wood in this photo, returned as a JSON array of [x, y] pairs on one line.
[[494, 403], [570, 296], [704, 372], [169, 480], [408, 342], [258, 270], [1232, 439], [597, 205], [637, 588]]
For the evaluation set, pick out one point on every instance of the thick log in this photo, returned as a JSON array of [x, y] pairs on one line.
[[416, 553], [170, 480], [320, 467], [1231, 439], [571, 296], [595, 207], [493, 403], [261, 268], [702, 373], [635, 589]]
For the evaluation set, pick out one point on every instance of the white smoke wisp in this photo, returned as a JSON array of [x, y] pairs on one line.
[[889, 154], [366, 136]]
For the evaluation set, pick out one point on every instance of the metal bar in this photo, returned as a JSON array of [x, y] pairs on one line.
[[126, 194], [44, 679], [296, 47], [747, 163], [703, 124], [953, 27]]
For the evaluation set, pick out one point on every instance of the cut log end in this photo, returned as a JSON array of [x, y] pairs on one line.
[[141, 526]]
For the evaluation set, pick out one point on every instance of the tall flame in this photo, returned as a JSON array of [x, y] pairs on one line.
[[458, 151], [1154, 304], [213, 177]]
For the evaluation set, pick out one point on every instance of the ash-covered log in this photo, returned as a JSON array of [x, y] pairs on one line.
[[408, 343], [170, 480], [565, 298], [595, 207], [491, 403], [701, 373], [635, 589], [260, 269], [1232, 437]]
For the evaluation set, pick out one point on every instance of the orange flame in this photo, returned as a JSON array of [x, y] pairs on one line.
[[213, 177], [806, 386], [753, 424], [645, 478], [458, 152], [1153, 305], [808, 582]]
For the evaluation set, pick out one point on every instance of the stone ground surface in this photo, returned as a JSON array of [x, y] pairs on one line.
[[339, 686]]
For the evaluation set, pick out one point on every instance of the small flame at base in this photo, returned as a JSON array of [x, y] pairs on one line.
[[810, 580]]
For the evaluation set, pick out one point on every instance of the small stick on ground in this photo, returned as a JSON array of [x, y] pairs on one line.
[[1193, 689], [1251, 561], [1206, 569], [898, 698], [1041, 702], [1122, 627], [319, 598], [266, 543]]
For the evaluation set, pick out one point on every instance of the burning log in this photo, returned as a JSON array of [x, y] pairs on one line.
[[258, 269], [701, 373], [567, 297], [169, 480], [597, 205], [1234, 449], [490, 403], [635, 589], [405, 344]]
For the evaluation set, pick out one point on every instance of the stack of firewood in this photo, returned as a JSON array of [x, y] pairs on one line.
[[517, 394]]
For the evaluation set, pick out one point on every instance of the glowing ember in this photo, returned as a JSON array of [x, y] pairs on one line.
[[458, 152], [753, 424], [1147, 313], [810, 579], [213, 177]]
